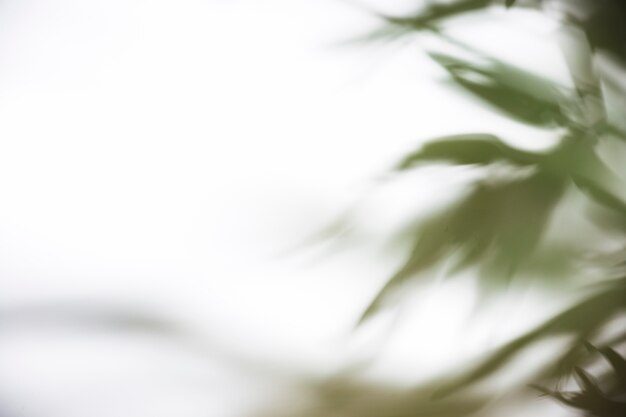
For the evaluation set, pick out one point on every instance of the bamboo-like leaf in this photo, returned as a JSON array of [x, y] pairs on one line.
[[594, 402], [589, 173], [429, 18], [436, 12], [496, 225], [617, 362], [586, 382], [584, 318], [500, 72], [592, 398], [600, 194], [518, 94], [466, 149]]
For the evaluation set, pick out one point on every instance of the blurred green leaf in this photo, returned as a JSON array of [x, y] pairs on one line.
[[519, 94], [474, 148], [436, 12], [578, 157], [353, 397], [499, 224], [618, 363], [490, 226], [582, 320], [593, 398]]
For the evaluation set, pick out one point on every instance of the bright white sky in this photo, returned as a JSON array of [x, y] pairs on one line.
[[163, 154]]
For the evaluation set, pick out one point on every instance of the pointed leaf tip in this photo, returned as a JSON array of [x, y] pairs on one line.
[[617, 362], [585, 381]]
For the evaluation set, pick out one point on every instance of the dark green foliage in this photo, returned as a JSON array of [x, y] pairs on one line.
[[603, 397], [619, 367], [583, 321], [518, 94], [498, 226], [605, 26], [490, 226], [501, 221]]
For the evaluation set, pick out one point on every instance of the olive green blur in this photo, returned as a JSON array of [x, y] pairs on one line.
[[498, 228]]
